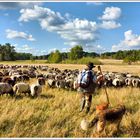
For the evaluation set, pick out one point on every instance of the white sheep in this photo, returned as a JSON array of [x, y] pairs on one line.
[[36, 89], [116, 82], [128, 81], [22, 88], [6, 88]]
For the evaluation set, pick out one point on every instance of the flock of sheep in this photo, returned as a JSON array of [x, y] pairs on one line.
[[14, 79]]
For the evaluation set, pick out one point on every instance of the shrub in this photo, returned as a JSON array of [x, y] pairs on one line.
[[83, 60]]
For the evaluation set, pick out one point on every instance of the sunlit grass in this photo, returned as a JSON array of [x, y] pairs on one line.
[[56, 113]]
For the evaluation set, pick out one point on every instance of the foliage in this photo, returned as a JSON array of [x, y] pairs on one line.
[[83, 60], [75, 56], [76, 53], [127, 55], [7, 52], [55, 57], [23, 56]]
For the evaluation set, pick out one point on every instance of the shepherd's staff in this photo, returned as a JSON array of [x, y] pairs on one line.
[[107, 97]]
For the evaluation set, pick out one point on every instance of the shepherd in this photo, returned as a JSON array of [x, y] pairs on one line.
[[86, 84]]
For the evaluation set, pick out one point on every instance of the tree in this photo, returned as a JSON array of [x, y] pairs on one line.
[[55, 57], [76, 53], [7, 52]]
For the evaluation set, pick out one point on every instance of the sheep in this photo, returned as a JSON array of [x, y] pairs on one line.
[[36, 89], [128, 81], [1, 74], [136, 82], [6, 88], [118, 82], [9, 81], [22, 88], [60, 83], [51, 83]]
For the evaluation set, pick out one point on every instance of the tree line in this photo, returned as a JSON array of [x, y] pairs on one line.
[[8, 53], [127, 56]]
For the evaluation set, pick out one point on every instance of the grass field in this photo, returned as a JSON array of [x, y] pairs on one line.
[[56, 112]]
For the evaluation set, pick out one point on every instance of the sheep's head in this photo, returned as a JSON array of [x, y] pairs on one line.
[[41, 81]]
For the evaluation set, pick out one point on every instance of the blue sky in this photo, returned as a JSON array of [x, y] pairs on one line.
[[40, 28]]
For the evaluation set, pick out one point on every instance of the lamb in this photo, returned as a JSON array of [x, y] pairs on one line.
[[36, 89], [22, 88], [6, 88]]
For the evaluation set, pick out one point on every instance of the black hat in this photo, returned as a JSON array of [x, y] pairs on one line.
[[90, 65]]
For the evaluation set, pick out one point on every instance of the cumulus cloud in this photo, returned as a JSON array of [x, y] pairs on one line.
[[74, 31], [11, 34], [109, 17], [131, 41], [110, 25], [27, 49], [15, 5], [111, 13], [24, 48], [44, 15]]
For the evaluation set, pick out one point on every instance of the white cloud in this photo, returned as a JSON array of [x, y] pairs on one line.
[[74, 31], [65, 50], [24, 48], [52, 50], [27, 49], [109, 17], [111, 13], [110, 25], [46, 16], [131, 41], [94, 48], [11, 34]]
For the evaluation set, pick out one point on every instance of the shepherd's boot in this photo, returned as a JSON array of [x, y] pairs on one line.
[[82, 104]]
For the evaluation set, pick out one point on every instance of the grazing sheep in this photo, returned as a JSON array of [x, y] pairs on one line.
[[128, 81], [22, 88], [118, 82], [36, 89], [136, 82], [9, 81], [51, 83], [6, 88], [60, 84], [25, 77]]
